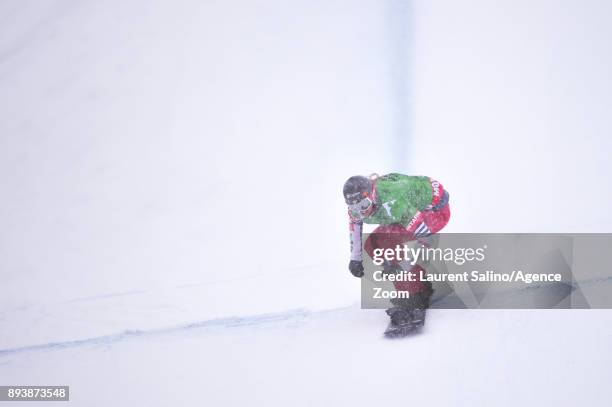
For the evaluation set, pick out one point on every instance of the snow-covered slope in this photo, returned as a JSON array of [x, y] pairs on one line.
[[512, 96], [146, 147], [464, 357], [166, 166]]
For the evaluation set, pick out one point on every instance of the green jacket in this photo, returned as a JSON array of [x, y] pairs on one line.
[[399, 197]]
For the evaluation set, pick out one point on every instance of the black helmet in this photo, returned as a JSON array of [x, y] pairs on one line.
[[356, 188]]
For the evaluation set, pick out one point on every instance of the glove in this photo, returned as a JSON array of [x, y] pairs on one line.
[[356, 268]]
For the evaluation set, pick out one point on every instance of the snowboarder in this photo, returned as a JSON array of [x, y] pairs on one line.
[[406, 208]]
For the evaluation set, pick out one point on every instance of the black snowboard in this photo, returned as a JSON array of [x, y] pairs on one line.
[[405, 322]]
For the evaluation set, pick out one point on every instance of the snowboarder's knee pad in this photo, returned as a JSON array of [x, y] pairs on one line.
[[391, 268]]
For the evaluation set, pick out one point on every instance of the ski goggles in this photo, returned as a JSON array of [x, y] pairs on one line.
[[359, 209]]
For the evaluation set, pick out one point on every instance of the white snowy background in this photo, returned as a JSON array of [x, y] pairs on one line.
[[172, 230]]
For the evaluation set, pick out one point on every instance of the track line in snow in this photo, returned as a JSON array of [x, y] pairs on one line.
[[295, 315]]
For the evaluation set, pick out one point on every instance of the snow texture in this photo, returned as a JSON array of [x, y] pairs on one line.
[[170, 180]]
